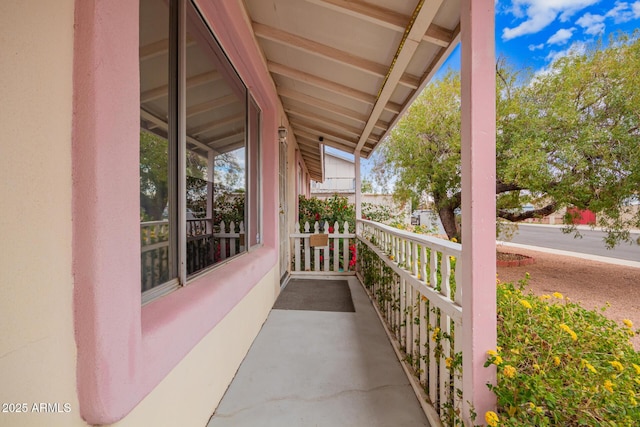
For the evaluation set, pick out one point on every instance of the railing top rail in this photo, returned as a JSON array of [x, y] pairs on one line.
[[150, 223], [441, 245]]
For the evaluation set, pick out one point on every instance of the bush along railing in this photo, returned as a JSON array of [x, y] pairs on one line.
[[313, 254], [412, 280]]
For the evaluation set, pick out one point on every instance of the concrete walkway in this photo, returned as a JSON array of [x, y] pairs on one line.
[[312, 368]]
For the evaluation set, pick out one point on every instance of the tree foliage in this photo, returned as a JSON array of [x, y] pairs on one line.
[[566, 137]]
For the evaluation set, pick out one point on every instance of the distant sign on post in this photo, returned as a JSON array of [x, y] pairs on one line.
[[318, 240]]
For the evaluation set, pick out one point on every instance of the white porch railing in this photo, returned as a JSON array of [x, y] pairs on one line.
[[207, 244], [337, 257], [412, 279]]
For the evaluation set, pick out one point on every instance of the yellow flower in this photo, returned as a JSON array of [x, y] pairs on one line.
[[556, 360], [497, 361], [543, 297], [436, 331], [454, 240], [617, 365], [491, 418], [492, 353], [452, 258], [509, 371], [391, 257], [589, 366], [608, 385], [628, 323], [515, 351], [448, 361], [568, 330], [525, 303], [637, 368], [557, 295]]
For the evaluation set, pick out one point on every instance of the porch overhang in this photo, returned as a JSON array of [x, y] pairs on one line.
[[346, 70]]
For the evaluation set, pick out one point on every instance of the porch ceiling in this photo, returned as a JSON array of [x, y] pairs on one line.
[[345, 70]]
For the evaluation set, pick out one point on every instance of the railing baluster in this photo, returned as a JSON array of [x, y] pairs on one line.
[[307, 249], [445, 275], [231, 240], [424, 343], [433, 362], [345, 248], [336, 248], [316, 250], [223, 242], [296, 248]]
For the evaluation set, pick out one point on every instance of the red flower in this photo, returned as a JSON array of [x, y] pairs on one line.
[[330, 229], [321, 258], [317, 217]]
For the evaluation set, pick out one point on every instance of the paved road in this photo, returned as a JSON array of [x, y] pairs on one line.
[[590, 243]]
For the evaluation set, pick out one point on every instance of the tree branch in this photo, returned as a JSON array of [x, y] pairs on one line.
[[521, 216]]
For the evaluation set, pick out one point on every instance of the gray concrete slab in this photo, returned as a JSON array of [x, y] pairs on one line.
[[311, 368]]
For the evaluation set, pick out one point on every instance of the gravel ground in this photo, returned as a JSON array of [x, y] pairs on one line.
[[590, 283]]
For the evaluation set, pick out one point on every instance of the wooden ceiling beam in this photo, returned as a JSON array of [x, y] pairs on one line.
[[161, 124], [325, 133], [329, 85], [314, 118], [328, 106], [211, 105], [162, 91], [216, 124], [160, 47], [386, 18], [328, 52], [304, 136]]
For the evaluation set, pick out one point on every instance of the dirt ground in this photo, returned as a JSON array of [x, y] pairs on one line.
[[590, 283]]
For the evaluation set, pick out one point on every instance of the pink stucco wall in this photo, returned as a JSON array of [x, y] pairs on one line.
[[124, 350]]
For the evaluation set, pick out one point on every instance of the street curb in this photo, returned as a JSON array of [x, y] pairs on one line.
[[598, 258], [580, 227]]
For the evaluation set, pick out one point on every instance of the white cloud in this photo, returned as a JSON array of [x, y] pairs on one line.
[[533, 47], [624, 12], [540, 13], [576, 48], [592, 24], [561, 36]]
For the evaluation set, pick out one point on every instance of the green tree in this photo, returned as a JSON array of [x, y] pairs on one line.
[[154, 189], [566, 137]]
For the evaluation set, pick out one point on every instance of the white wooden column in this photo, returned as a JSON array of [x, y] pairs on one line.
[[358, 200], [478, 202], [211, 164]]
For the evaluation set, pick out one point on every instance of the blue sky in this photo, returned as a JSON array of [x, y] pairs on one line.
[[532, 33]]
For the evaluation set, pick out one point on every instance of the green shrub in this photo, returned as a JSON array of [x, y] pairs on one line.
[[561, 365], [337, 208]]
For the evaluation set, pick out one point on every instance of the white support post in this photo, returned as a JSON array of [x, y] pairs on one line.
[[358, 200], [211, 164], [478, 203]]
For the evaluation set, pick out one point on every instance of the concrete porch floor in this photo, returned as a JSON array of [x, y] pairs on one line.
[[313, 368]]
